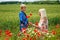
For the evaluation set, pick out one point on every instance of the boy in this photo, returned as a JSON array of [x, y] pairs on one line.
[[22, 16]]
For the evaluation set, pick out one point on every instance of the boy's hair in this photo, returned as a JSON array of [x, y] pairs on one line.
[[22, 5], [42, 12]]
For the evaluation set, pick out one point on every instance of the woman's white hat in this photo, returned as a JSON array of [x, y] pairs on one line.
[[42, 12]]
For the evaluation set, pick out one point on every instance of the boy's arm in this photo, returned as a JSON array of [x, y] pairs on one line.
[[30, 23]]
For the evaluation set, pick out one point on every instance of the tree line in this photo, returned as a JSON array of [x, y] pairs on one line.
[[37, 2]]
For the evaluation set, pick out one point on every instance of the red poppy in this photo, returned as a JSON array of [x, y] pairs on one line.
[[8, 33], [28, 35], [34, 37], [46, 31], [53, 32], [31, 38], [18, 34], [38, 34], [27, 16], [35, 30], [36, 23], [6, 38], [0, 32], [24, 39], [57, 26], [30, 14], [24, 30]]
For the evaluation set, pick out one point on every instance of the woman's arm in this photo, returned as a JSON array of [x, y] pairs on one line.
[[30, 23]]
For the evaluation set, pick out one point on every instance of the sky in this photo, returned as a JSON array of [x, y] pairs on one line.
[[23, 0], [19, 0]]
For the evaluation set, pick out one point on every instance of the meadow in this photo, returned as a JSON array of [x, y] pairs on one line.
[[9, 18]]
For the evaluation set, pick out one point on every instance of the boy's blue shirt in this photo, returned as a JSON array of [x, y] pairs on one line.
[[23, 19]]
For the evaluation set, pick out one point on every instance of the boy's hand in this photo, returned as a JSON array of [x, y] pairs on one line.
[[33, 25], [30, 23]]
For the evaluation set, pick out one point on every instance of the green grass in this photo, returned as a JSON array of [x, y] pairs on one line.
[[9, 15]]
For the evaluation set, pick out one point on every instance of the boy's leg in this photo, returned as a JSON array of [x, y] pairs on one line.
[[23, 26], [20, 28]]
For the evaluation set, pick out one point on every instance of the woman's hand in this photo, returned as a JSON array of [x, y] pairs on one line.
[[45, 20]]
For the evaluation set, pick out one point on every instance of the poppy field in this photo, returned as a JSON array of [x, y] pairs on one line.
[[10, 24]]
